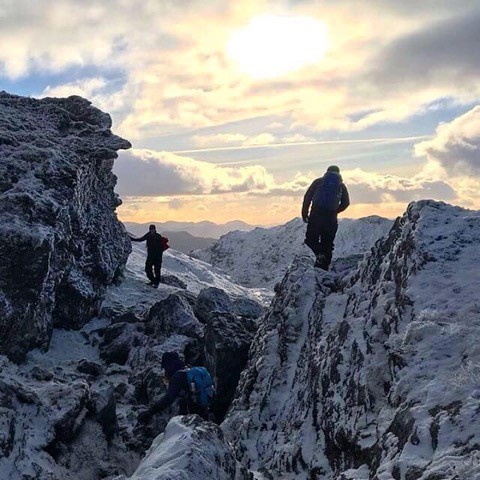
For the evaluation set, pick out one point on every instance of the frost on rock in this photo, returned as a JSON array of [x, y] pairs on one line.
[[60, 241], [375, 375], [190, 449], [261, 257]]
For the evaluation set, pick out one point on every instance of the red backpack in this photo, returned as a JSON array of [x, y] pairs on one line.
[[165, 245]]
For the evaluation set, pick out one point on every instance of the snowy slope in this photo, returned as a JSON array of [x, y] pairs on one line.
[[189, 449], [261, 257], [134, 293], [376, 375]]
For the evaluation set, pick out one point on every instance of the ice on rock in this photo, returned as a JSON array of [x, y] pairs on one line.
[[374, 375]]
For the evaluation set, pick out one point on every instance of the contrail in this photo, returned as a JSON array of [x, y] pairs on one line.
[[296, 144]]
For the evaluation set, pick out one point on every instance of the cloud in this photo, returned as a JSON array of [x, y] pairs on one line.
[[445, 54], [86, 87], [456, 145], [146, 173], [179, 76], [232, 139], [369, 187], [175, 204], [149, 173]]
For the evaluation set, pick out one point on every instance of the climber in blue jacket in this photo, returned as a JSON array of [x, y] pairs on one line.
[[179, 389]]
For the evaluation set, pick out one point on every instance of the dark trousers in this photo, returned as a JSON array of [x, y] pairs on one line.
[[321, 231], [186, 407], [153, 266]]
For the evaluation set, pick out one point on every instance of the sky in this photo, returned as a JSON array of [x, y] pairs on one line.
[[234, 107]]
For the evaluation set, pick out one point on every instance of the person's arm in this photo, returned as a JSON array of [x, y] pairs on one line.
[[141, 239], [345, 201], [307, 199], [175, 385]]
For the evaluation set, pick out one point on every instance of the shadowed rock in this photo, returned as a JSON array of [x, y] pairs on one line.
[[60, 241]]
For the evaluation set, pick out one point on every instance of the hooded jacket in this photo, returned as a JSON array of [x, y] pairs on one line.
[[316, 184]]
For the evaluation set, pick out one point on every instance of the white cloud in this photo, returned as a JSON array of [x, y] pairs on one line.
[[369, 187], [219, 139], [145, 173], [456, 145], [86, 87]]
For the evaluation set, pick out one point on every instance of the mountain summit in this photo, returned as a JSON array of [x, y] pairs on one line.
[[375, 375]]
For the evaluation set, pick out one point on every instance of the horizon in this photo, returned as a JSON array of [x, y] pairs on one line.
[[234, 121], [196, 222]]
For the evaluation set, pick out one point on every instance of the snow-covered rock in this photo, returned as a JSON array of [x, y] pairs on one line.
[[211, 301], [261, 257], [190, 449], [374, 376], [173, 315], [134, 295], [60, 241]]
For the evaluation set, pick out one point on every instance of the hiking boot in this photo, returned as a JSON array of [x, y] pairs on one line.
[[321, 262]]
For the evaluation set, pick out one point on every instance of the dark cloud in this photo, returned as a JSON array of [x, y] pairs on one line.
[[446, 52], [147, 173], [147, 177]]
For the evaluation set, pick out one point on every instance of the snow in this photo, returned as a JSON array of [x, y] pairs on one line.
[[134, 293], [381, 368], [189, 449], [262, 256]]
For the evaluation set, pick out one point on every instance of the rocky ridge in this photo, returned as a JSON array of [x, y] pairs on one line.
[[374, 375], [60, 241], [261, 257], [71, 413]]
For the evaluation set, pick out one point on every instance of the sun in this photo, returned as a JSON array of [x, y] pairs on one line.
[[272, 46]]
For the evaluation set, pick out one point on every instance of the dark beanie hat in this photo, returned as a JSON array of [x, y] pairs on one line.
[[333, 168], [171, 363], [152, 227]]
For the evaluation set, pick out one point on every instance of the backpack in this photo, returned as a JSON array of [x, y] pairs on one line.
[[200, 386], [165, 245], [329, 194]]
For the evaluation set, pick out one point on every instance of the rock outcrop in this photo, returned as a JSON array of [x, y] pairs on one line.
[[373, 376], [60, 241], [190, 449]]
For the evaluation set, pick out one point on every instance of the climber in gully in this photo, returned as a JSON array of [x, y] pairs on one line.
[[192, 386], [156, 245], [328, 196]]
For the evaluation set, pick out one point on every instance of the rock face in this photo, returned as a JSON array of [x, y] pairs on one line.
[[227, 342], [373, 376], [261, 257], [60, 241], [190, 449]]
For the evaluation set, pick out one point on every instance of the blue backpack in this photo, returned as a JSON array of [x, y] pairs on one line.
[[329, 193], [201, 386]]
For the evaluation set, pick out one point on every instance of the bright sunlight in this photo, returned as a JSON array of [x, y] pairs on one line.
[[271, 46]]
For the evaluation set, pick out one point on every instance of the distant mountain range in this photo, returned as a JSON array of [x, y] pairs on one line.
[[203, 229]]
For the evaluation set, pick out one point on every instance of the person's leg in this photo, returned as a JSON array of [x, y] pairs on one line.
[[327, 236], [183, 407], [313, 233], [158, 269], [149, 269]]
